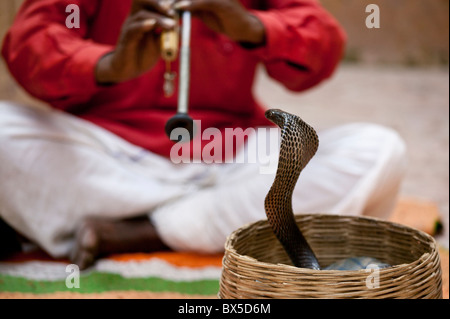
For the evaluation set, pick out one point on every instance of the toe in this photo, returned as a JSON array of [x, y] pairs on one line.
[[86, 246]]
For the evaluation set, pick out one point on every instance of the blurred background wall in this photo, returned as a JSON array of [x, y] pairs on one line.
[[8, 88], [412, 32]]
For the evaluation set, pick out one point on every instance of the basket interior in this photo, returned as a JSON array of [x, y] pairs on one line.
[[333, 238]]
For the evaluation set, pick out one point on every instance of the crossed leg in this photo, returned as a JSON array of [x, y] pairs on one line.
[[62, 177], [98, 237]]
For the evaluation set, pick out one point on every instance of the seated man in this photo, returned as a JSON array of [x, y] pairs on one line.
[[96, 174]]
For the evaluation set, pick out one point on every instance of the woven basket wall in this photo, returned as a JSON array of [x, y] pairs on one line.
[[256, 266]]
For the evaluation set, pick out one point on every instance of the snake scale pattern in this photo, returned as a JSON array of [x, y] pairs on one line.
[[299, 143]]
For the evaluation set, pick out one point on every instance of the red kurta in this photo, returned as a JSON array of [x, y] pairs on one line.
[[56, 64]]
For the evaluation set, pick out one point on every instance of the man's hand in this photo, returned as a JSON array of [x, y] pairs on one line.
[[138, 48], [228, 17]]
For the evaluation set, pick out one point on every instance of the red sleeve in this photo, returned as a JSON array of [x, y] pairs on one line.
[[304, 43], [52, 62]]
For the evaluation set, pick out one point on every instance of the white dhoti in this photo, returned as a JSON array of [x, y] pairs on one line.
[[56, 170]]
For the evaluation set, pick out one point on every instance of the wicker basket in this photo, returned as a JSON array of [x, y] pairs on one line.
[[256, 266]]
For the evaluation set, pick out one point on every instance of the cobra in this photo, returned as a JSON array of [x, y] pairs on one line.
[[299, 143]]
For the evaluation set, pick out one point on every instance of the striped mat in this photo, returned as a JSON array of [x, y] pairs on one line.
[[154, 275]]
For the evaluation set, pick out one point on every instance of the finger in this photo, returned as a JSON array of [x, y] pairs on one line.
[[142, 26], [162, 21], [160, 6], [144, 21], [188, 5], [167, 6]]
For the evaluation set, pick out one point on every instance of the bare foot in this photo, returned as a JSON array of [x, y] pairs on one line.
[[99, 237], [9, 240]]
